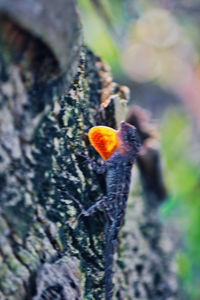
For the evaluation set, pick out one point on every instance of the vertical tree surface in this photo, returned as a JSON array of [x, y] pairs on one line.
[[52, 90]]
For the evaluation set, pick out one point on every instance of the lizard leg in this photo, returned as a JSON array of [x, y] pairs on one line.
[[100, 204], [99, 169], [92, 209]]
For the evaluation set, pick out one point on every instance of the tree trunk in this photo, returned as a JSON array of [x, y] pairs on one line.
[[52, 90]]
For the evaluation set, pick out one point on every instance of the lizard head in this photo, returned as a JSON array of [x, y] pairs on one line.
[[107, 140], [129, 139]]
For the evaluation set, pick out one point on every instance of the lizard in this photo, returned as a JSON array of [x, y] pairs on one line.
[[119, 150]]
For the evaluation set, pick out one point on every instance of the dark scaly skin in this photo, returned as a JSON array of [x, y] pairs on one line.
[[117, 183], [118, 179], [118, 174]]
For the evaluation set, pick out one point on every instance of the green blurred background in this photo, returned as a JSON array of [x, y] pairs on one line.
[[153, 47]]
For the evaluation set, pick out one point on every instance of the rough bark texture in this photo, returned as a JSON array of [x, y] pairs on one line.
[[44, 252], [39, 175]]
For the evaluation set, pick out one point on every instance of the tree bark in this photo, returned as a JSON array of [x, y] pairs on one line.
[[52, 90]]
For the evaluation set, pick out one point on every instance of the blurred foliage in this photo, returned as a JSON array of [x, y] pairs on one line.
[[98, 33], [105, 26], [183, 206]]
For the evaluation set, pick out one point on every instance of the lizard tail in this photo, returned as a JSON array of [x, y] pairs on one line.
[[109, 262]]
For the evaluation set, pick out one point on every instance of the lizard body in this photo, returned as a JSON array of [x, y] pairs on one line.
[[117, 185], [119, 149]]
